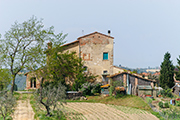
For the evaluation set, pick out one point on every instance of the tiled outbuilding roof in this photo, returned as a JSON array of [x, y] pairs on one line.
[[134, 74]]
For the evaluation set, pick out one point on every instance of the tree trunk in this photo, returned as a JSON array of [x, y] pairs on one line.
[[48, 111], [46, 106], [13, 83]]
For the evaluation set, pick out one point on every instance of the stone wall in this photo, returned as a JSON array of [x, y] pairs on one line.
[[29, 77], [92, 48]]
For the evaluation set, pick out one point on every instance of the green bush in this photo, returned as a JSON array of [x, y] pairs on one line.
[[90, 88], [120, 93], [112, 87], [177, 103], [166, 105], [171, 114], [166, 92], [96, 88], [148, 100], [160, 104]]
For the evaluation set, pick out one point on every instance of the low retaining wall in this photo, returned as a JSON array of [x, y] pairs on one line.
[[73, 94]]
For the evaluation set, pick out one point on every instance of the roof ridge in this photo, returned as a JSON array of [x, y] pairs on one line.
[[94, 33]]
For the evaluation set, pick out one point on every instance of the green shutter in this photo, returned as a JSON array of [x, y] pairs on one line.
[[105, 56]]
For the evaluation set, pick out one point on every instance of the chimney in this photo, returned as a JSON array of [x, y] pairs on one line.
[[49, 45], [109, 32]]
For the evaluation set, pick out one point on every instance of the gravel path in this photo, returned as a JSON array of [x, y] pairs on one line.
[[99, 111], [23, 111]]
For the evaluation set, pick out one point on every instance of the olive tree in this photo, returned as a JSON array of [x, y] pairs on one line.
[[23, 46], [7, 103], [51, 97]]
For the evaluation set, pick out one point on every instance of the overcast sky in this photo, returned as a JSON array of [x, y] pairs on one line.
[[144, 30]]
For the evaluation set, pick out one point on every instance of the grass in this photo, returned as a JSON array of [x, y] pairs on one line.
[[128, 101], [128, 110]]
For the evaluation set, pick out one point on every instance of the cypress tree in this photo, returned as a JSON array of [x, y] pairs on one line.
[[177, 70], [167, 72]]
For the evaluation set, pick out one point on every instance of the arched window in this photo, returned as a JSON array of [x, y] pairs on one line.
[[33, 82]]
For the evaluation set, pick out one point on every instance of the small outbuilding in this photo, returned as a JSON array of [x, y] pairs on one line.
[[131, 81]]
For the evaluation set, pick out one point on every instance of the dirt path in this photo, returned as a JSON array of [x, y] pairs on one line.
[[23, 111], [98, 111]]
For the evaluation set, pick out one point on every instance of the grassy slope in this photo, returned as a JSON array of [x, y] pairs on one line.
[[128, 101]]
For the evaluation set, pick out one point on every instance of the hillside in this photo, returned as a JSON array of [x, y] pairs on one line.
[[20, 80]]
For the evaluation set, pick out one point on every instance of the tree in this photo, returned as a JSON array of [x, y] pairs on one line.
[[24, 44], [5, 78], [65, 67], [7, 103], [167, 72], [177, 70], [51, 97]]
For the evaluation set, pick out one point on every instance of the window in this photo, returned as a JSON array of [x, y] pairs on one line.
[[105, 56], [33, 82], [105, 71]]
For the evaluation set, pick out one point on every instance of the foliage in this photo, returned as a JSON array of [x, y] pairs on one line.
[[65, 67], [148, 100], [167, 72], [5, 78], [157, 114], [97, 88], [177, 72], [24, 44], [7, 103], [51, 97], [41, 115], [166, 105], [86, 88], [113, 85], [120, 93], [177, 103], [90, 88], [166, 92], [171, 114], [160, 104]]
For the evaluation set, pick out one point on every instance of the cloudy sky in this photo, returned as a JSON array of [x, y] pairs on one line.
[[144, 30]]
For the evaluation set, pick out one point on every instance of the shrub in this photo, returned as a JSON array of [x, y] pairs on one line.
[[166, 105], [113, 85], [90, 88], [177, 103], [120, 93], [96, 88], [86, 88], [148, 100], [7, 104], [171, 114], [160, 104], [167, 92]]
